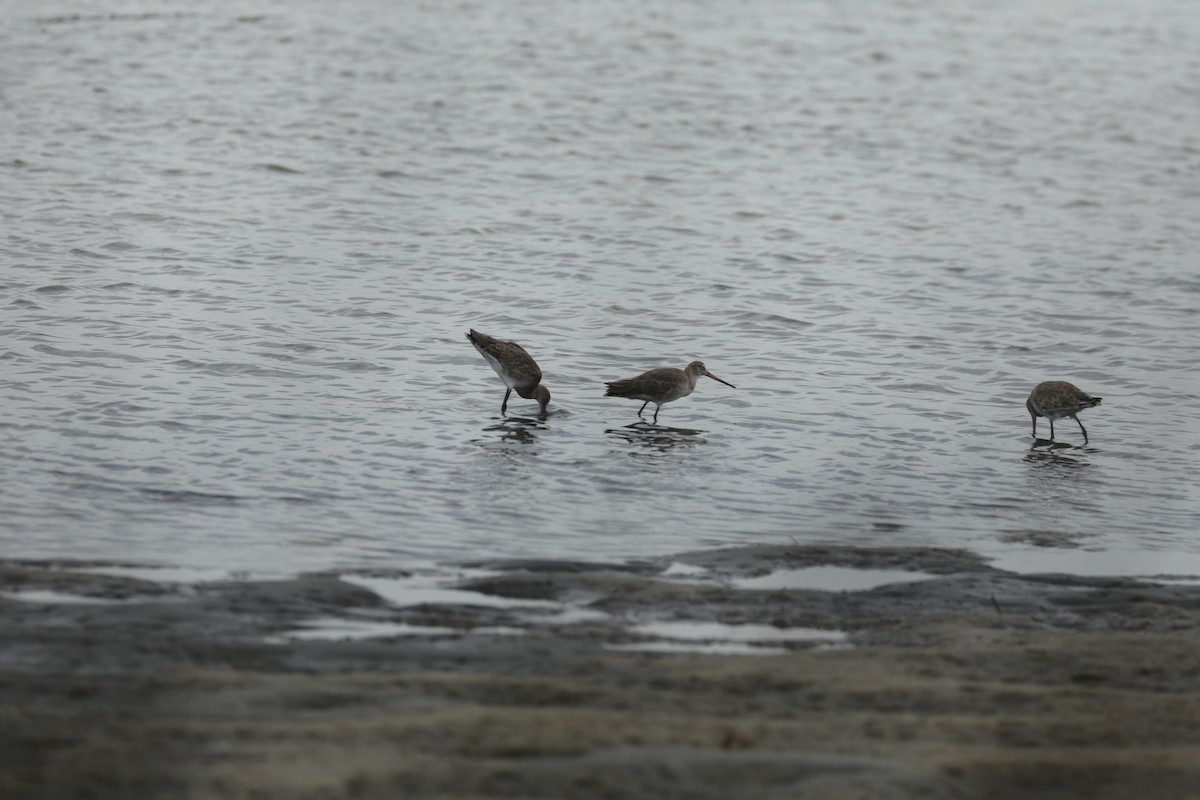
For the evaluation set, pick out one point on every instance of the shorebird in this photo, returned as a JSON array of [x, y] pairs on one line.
[[515, 367], [661, 385], [1058, 399]]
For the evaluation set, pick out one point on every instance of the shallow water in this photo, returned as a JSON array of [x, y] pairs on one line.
[[241, 250]]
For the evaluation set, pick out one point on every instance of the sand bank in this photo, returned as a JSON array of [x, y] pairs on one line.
[[574, 680]]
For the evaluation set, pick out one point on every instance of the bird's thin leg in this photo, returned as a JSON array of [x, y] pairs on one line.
[[1051, 428], [504, 405], [643, 408], [1085, 441], [657, 406]]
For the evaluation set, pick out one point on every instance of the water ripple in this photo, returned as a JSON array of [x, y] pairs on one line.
[[235, 308]]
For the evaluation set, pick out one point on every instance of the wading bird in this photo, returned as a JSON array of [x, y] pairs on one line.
[[661, 385], [1058, 399], [515, 367]]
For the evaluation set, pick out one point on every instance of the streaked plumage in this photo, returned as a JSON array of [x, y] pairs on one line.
[[1058, 399], [515, 367], [661, 385]]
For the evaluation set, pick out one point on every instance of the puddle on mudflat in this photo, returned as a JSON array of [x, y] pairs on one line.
[[338, 628], [49, 596], [1101, 563], [690, 630], [722, 649], [176, 574], [831, 579], [678, 569], [428, 590], [1173, 580], [716, 638], [565, 615]]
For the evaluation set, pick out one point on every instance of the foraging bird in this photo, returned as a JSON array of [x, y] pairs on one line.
[[515, 367], [1058, 399], [661, 385]]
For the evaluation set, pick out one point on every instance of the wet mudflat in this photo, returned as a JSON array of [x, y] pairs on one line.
[[556, 679]]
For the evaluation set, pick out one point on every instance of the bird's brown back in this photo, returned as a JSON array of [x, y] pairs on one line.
[[1059, 398], [511, 357], [652, 384]]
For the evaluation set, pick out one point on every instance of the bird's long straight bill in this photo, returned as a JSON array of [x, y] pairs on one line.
[[718, 380]]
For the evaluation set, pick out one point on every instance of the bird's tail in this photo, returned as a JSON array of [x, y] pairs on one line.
[[480, 339], [617, 388]]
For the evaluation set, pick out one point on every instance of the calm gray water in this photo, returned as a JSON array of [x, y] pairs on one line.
[[241, 245]]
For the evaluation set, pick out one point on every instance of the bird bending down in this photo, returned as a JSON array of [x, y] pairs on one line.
[[515, 367], [661, 385], [1058, 399]]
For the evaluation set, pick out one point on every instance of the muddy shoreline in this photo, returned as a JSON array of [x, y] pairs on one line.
[[537, 679]]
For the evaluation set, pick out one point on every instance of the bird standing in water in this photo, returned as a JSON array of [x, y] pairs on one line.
[[515, 367], [1058, 399], [661, 385]]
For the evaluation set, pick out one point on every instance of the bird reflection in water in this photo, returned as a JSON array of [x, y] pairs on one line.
[[1050, 445], [1056, 454], [656, 437], [514, 430]]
